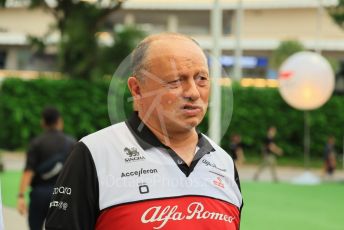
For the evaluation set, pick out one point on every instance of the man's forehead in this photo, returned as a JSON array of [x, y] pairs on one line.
[[171, 64], [171, 39], [172, 50]]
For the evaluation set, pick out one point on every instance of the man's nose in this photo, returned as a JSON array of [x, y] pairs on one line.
[[190, 90]]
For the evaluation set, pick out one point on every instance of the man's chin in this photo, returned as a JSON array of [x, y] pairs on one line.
[[183, 123], [189, 124]]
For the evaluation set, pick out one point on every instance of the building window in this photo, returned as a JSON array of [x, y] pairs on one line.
[[151, 22], [194, 22], [2, 59], [227, 22]]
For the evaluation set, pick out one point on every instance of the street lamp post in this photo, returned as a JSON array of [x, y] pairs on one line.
[[215, 104], [237, 50]]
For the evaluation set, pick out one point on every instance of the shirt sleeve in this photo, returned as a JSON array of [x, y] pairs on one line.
[[31, 156], [75, 200], [237, 181]]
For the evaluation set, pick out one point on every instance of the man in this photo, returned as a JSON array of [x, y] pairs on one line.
[[44, 160], [236, 150], [329, 157], [270, 149], [1, 164], [153, 171]]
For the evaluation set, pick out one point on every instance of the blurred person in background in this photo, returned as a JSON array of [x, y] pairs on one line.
[[270, 151], [1, 163], [236, 149], [329, 157], [45, 157]]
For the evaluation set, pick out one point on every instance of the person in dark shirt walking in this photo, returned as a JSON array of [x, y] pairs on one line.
[[44, 160], [270, 150], [329, 157], [236, 149]]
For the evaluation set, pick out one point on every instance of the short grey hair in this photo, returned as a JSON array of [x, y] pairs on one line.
[[138, 62]]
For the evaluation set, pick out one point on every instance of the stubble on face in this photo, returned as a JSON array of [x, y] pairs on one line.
[[163, 99]]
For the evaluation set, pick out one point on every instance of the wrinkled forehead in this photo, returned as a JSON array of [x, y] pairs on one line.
[[175, 53]]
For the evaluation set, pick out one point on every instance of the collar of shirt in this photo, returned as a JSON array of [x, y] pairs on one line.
[[146, 138]]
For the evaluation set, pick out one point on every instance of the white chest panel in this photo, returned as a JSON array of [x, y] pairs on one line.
[[127, 173]]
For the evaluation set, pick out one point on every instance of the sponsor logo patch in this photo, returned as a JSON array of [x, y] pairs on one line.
[[195, 211], [213, 165], [59, 205], [143, 188], [218, 182], [140, 172], [133, 155], [62, 190]]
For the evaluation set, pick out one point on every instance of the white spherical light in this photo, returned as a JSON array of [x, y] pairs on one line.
[[306, 80]]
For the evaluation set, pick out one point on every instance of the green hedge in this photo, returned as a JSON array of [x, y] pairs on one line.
[[255, 109], [84, 108], [21, 102]]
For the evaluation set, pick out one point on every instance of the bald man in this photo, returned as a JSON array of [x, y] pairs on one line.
[[153, 171]]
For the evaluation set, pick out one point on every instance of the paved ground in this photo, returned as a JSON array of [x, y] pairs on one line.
[[13, 221], [13, 161]]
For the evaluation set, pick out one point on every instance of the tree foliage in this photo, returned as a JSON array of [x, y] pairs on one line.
[[84, 108], [283, 51], [337, 13], [80, 54], [125, 39]]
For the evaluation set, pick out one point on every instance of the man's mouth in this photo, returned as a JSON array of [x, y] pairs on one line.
[[191, 109]]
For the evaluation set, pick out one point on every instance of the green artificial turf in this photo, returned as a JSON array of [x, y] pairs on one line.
[[268, 206], [9, 187], [293, 207]]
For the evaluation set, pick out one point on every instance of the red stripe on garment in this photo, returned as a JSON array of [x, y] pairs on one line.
[[192, 212]]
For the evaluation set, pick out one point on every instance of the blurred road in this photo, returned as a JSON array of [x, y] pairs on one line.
[[12, 219]]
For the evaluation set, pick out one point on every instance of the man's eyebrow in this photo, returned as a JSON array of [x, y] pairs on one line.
[[173, 74], [203, 72]]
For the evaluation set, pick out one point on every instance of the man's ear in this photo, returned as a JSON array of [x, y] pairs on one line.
[[134, 87], [135, 91]]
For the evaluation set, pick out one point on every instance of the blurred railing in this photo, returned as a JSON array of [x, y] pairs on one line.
[[28, 74], [252, 82]]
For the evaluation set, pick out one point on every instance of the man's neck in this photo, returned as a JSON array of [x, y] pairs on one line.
[[183, 142], [174, 138]]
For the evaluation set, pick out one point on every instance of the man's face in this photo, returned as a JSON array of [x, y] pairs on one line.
[[176, 85], [272, 132], [332, 140]]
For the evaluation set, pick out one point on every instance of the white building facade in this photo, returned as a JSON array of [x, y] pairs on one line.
[[265, 24]]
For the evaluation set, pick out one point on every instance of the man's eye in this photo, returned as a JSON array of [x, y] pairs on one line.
[[202, 80], [174, 83]]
